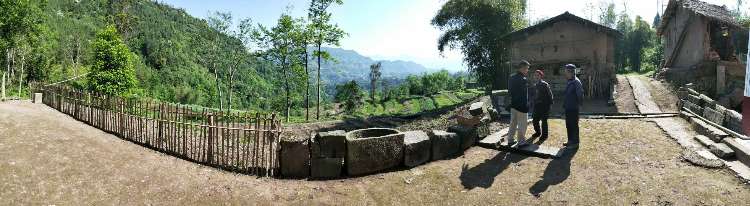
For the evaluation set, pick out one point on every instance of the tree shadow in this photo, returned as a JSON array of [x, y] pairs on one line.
[[483, 175], [557, 171]]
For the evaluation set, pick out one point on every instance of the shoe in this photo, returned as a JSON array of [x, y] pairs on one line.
[[522, 143], [510, 142], [535, 135]]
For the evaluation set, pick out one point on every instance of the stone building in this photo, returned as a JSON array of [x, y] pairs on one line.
[[569, 39], [700, 42]]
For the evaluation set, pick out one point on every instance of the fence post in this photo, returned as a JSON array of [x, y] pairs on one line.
[[211, 130]]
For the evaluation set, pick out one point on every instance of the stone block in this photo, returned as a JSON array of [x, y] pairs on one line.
[[697, 109], [417, 148], [295, 158], [476, 109], [326, 167], [330, 144], [733, 121], [374, 149], [695, 100], [721, 150], [706, 101], [741, 149], [444, 144], [37, 98], [714, 115], [707, 129], [468, 136], [483, 128], [705, 141]]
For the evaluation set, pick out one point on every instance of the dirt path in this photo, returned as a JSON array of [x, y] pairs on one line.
[[49, 158], [624, 100]]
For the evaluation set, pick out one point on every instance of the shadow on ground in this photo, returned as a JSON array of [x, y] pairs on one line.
[[557, 171], [483, 175]]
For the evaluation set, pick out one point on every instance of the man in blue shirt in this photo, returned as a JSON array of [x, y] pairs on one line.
[[519, 107], [572, 105]]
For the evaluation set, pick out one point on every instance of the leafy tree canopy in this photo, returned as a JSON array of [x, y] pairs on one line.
[[112, 72]]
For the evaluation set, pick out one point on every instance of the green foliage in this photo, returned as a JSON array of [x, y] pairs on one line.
[[607, 16], [112, 72], [475, 27], [435, 82], [351, 95], [281, 48], [639, 48], [322, 32], [19, 19]]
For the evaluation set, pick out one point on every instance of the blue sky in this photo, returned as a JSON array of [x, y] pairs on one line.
[[400, 29]]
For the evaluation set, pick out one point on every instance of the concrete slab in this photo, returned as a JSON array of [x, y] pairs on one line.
[[708, 130], [741, 149], [497, 141], [705, 141], [721, 150], [495, 138]]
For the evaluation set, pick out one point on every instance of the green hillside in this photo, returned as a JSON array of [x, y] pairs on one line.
[[170, 47]]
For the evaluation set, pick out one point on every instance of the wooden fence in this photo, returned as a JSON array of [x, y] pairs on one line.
[[236, 141]]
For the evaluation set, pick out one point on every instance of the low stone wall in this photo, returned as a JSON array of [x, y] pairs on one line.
[[710, 109], [327, 155]]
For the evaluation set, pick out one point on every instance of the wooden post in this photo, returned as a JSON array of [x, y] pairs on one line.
[[2, 90], [211, 134]]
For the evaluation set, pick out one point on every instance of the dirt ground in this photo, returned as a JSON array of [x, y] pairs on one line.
[[49, 158], [625, 101]]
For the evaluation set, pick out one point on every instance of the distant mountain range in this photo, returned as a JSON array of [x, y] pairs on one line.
[[350, 65]]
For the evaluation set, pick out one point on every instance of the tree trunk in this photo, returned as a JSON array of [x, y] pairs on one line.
[[20, 77], [229, 91], [218, 88], [317, 113], [286, 88], [307, 88]]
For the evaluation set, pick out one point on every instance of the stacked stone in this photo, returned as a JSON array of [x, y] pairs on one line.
[[295, 158], [327, 150], [417, 148]]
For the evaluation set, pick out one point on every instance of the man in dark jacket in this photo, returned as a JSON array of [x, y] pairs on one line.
[[542, 101], [572, 105], [518, 91]]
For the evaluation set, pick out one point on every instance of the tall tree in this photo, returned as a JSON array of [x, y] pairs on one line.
[[624, 25], [113, 72], [120, 11], [323, 33], [20, 21], [475, 27], [239, 52], [281, 48], [639, 39], [303, 40], [607, 15], [374, 76], [218, 21]]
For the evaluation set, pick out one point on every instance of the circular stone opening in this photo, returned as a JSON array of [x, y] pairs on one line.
[[370, 133]]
